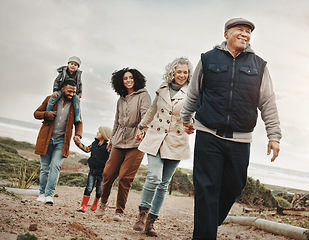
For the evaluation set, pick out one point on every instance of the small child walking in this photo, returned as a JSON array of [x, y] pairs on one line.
[[65, 72], [98, 157]]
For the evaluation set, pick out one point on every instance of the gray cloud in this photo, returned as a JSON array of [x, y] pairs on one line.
[[39, 36]]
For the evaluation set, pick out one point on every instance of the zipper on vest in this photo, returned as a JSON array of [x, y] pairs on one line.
[[230, 98]]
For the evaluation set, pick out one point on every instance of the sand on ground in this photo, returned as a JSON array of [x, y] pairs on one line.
[[63, 221]]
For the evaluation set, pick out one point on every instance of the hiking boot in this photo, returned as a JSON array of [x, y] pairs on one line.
[[149, 229], [140, 223]]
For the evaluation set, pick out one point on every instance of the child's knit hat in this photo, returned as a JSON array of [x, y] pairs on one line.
[[75, 59], [106, 132]]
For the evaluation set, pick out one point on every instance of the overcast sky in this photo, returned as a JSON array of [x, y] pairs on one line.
[[38, 36]]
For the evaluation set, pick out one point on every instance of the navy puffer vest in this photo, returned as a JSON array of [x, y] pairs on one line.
[[230, 95]]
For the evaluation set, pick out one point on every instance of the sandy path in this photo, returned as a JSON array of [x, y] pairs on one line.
[[62, 221]]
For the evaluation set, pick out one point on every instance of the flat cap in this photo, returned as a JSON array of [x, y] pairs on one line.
[[238, 21]]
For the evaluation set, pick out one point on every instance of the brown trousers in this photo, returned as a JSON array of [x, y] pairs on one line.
[[122, 163]]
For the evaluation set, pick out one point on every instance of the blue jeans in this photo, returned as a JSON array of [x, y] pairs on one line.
[[94, 180], [50, 167], [160, 172]]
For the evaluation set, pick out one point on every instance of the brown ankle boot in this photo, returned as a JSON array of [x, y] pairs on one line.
[[149, 229], [140, 223]]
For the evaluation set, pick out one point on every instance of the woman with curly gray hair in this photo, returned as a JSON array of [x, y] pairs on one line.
[[165, 142]]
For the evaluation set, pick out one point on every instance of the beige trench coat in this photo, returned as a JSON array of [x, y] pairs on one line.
[[165, 130]]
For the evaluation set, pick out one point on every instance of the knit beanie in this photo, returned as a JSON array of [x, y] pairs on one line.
[[106, 132], [75, 59]]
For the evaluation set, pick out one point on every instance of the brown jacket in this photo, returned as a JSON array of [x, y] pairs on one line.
[[129, 112], [165, 132], [47, 129]]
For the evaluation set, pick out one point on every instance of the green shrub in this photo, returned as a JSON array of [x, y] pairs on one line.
[[282, 202], [26, 236], [256, 194], [73, 179], [138, 183], [10, 160], [16, 144], [181, 182], [7, 148], [287, 196]]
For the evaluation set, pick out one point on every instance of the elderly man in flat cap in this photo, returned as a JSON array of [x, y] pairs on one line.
[[229, 84]]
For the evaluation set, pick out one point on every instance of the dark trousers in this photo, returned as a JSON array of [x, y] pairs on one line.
[[219, 175]]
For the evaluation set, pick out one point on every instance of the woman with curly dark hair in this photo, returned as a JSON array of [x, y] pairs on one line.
[[125, 158]]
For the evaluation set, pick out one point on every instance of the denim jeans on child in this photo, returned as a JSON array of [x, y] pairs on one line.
[[50, 167], [160, 172], [94, 180]]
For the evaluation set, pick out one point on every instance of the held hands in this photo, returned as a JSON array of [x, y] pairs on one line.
[[55, 94], [109, 146], [139, 135], [76, 139], [80, 95], [188, 128], [273, 145]]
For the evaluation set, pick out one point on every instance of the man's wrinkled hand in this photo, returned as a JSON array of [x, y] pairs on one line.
[[273, 146]]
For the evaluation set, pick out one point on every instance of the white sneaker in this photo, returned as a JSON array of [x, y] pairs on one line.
[[101, 210], [118, 217], [49, 200], [41, 198]]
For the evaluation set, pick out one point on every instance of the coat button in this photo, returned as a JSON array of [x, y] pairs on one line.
[[160, 120], [165, 131], [158, 129], [162, 110], [170, 113], [151, 125], [168, 121], [178, 131]]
